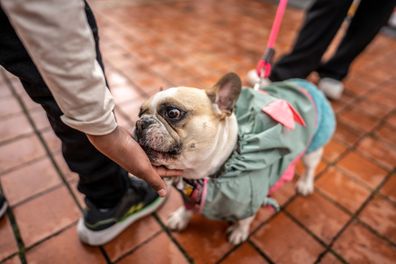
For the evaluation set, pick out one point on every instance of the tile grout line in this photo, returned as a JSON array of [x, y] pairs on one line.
[[229, 252], [356, 179], [265, 256], [173, 239], [354, 130], [155, 73], [144, 94], [336, 204], [105, 255], [138, 246], [385, 140], [354, 217], [290, 200], [44, 144], [293, 197], [13, 139], [49, 154], [325, 169], [373, 135], [37, 195], [30, 162], [10, 213], [351, 214], [4, 260], [37, 132], [255, 230], [372, 191], [348, 149], [367, 134], [385, 197], [140, 90], [56, 233], [17, 235], [350, 105], [390, 242], [236, 247], [326, 246]]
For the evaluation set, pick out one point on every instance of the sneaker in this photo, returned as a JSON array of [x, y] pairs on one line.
[[3, 205], [99, 226], [332, 88], [253, 78]]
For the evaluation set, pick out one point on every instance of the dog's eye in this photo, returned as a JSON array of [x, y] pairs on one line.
[[173, 113]]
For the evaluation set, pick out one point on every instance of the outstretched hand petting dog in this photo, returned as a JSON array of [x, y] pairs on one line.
[[120, 147]]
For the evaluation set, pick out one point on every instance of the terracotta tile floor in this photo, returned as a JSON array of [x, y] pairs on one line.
[[151, 44]]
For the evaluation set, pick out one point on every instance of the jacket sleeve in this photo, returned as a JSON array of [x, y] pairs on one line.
[[59, 40]]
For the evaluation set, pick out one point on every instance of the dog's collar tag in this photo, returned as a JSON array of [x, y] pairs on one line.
[[191, 191]]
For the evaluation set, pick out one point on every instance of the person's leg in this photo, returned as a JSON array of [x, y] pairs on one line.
[[322, 21], [101, 180], [369, 18], [113, 200]]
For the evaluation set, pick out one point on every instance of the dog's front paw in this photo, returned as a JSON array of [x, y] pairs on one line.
[[179, 219], [237, 233], [305, 187]]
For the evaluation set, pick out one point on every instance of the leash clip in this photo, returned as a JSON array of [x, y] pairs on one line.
[[263, 68]]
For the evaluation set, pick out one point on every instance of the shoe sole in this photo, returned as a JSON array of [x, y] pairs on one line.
[[101, 237], [3, 209]]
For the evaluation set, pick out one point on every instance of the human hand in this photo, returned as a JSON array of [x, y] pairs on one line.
[[120, 147]]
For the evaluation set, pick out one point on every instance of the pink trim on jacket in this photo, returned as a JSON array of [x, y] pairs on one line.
[[289, 173]]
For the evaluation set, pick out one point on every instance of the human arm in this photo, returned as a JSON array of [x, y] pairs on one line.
[[120, 147], [59, 40]]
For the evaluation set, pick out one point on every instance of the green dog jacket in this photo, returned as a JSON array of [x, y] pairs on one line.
[[276, 125]]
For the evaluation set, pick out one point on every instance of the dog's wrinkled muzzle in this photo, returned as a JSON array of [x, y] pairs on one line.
[[142, 124]]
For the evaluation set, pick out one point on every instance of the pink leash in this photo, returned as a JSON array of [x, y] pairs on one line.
[[264, 65]]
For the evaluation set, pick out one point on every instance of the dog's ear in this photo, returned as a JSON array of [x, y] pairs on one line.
[[225, 93]]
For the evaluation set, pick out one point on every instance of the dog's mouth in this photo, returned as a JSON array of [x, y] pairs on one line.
[[159, 151], [148, 149], [160, 157]]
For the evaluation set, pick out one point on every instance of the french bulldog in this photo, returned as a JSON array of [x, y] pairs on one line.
[[198, 131]]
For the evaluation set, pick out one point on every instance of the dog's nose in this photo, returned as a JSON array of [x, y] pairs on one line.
[[143, 123]]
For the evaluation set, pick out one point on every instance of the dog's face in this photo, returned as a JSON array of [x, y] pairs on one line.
[[182, 121]]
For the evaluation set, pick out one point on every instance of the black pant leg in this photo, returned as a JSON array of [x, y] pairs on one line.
[[369, 18], [322, 21], [101, 180]]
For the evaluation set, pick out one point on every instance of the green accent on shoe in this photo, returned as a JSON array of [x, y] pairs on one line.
[[134, 209], [103, 222]]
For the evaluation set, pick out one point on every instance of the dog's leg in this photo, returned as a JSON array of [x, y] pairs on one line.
[[239, 231], [179, 219], [305, 184]]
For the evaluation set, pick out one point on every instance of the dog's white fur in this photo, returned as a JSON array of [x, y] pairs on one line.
[[211, 159], [239, 231], [215, 139], [205, 161]]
